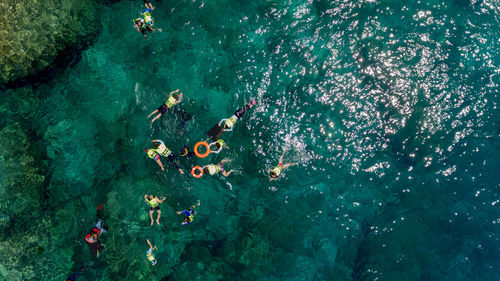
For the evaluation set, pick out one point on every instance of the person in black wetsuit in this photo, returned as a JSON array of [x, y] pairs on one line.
[[92, 238], [227, 124]]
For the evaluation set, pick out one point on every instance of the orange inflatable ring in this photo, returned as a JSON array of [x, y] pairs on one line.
[[205, 144], [194, 174]]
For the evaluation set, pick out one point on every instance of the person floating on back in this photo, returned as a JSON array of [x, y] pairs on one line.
[[172, 100], [163, 150], [219, 144], [148, 5], [276, 171], [214, 169], [154, 204], [150, 254], [227, 124], [189, 214]]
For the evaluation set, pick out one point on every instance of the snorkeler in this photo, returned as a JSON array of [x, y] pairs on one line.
[[154, 204], [186, 153], [214, 169], [216, 131], [276, 171], [189, 214], [163, 150], [148, 4], [142, 27], [145, 23], [219, 144], [172, 100], [150, 254], [79, 272], [93, 241]]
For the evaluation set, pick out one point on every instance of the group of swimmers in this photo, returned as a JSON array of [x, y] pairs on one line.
[[161, 150], [146, 21]]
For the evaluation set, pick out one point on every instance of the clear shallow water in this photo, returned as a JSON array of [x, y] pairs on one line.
[[390, 108]]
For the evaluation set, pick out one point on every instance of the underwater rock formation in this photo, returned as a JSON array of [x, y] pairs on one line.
[[35, 33]]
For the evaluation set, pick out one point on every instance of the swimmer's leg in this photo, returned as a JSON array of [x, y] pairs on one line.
[[156, 117], [239, 113], [171, 158], [158, 218], [151, 215]]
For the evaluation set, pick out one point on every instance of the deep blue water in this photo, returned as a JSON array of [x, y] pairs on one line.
[[390, 108]]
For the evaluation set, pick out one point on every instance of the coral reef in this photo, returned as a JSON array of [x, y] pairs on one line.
[[34, 33]]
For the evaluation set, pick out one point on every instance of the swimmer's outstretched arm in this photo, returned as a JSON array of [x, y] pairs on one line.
[[161, 201], [180, 99], [289, 164], [196, 205], [173, 92], [150, 245], [160, 141]]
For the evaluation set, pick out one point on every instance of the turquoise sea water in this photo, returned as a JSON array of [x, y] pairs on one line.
[[390, 108]]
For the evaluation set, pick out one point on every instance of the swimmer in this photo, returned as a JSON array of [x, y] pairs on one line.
[[229, 123], [189, 214], [148, 5], [154, 204], [219, 144], [186, 153], [141, 26], [150, 254], [216, 131], [163, 150], [94, 242], [172, 100], [276, 171], [214, 169], [93, 236]]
